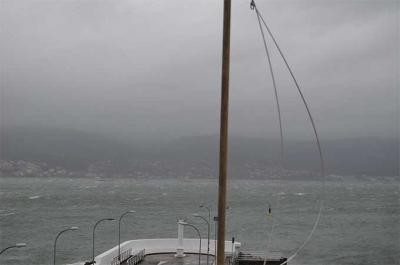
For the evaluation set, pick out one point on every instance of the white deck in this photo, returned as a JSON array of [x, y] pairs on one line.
[[168, 245]]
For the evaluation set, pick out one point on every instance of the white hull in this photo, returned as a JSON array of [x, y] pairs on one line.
[[168, 245]]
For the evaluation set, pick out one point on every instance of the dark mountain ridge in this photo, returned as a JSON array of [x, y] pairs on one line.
[[76, 150]]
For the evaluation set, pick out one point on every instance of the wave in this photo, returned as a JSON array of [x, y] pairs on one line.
[[6, 214]]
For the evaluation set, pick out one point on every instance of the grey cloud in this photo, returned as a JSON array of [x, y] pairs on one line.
[[152, 68]]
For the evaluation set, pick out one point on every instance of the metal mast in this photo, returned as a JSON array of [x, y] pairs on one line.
[[223, 145]]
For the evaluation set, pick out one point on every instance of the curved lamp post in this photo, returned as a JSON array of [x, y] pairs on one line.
[[208, 209], [94, 229], [119, 232], [18, 245], [215, 229], [208, 232], [198, 232], [72, 228]]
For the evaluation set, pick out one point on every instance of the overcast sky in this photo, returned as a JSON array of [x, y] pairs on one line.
[[135, 68]]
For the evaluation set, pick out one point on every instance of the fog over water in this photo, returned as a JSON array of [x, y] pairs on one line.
[[107, 106], [151, 69]]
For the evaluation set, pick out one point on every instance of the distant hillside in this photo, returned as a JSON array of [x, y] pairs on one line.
[[67, 148], [369, 156], [76, 150]]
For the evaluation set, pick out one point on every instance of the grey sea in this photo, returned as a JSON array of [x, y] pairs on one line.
[[359, 223]]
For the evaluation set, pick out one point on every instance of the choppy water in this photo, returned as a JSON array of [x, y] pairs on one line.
[[360, 223]]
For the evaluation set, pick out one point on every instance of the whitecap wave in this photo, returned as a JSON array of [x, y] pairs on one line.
[[6, 214]]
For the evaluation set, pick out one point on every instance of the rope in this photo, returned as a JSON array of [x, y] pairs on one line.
[[322, 165], [275, 89], [270, 236]]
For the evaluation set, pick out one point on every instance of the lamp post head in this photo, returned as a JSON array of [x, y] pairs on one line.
[[110, 219], [20, 245], [73, 228], [182, 223], [196, 215], [201, 205], [131, 211]]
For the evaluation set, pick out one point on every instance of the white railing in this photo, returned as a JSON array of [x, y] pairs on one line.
[[136, 258], [121, 258], [166, 245]]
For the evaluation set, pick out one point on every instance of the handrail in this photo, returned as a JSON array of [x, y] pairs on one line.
[[136, 258], [122, 258]]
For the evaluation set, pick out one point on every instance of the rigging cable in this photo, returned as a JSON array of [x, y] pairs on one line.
[[322, 166], [280, 133]]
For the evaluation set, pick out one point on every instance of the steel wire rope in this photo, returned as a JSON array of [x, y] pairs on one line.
[[322, 165], [273, 223]]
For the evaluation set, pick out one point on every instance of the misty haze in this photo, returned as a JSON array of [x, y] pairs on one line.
[[112, 106]]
